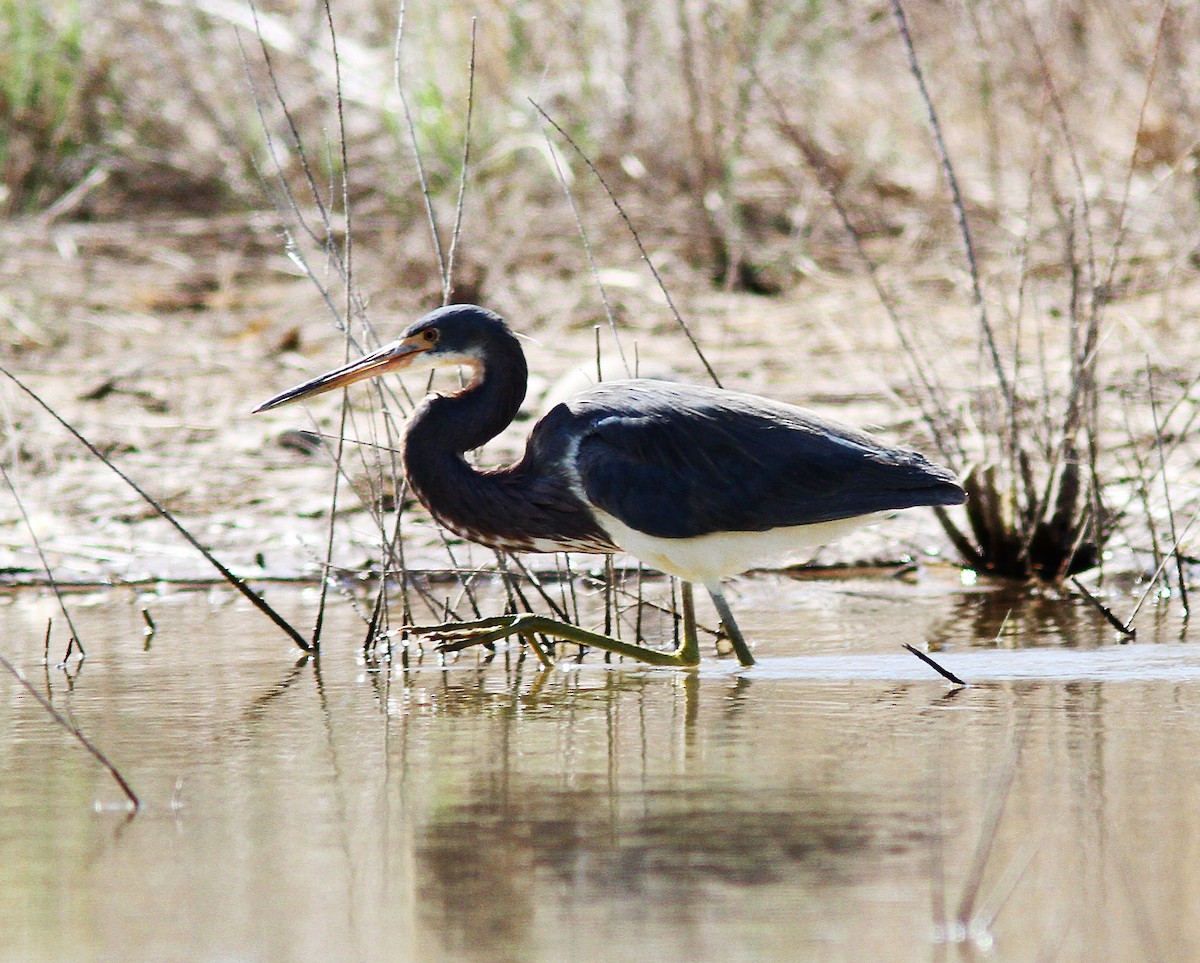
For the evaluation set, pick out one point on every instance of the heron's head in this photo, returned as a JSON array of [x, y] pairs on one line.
[[453, 336]]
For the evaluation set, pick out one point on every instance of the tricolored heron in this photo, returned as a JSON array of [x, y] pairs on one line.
[[700, 483]]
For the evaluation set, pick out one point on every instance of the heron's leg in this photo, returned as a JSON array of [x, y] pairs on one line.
[[689, 649], [731, 627], [454, 636]]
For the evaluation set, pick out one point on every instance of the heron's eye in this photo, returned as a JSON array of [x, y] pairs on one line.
[[430, 335]]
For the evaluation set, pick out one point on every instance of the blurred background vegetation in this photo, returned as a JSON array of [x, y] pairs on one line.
[[694, 108]]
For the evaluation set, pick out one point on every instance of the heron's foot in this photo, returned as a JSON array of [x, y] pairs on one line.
[[456, 636]]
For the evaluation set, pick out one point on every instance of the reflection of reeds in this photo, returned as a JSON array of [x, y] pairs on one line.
[[75, 731]]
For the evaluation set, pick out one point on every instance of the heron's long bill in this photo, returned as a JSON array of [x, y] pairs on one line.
[[391, 357]]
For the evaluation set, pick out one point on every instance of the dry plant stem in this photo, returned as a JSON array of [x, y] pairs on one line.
[[378, 607], [347, 278], [391, 545], [1131, 166], [339, 451], [1161, 567], [1183, 433], [702, 176], [960, 210], [297, 142], [1072, 154], [325, 242], [1162, 467], [1143, 474], [637, 240], [292, 249], [932, 391], [531, 577], [987, 87], [448, 278], [37, 544], [569, 588], [610, 613], [83, 740], [929, 661], [587, 250], [253, 597], [430, 216], [1125, 630]]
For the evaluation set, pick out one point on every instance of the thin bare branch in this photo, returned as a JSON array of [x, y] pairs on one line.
[[637, 240], [430, 215], [1131, 166], [960, 208], [253, 597], [37, 544], [459, 205], [933, 664]]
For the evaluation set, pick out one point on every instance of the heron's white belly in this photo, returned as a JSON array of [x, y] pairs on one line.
[[708, 558]]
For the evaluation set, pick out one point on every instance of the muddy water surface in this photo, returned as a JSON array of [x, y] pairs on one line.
[[838, 801]]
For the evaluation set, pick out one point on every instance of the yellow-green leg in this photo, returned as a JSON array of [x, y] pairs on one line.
[[453, 636]]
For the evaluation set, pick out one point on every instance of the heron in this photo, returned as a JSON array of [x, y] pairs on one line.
[[697, 482]]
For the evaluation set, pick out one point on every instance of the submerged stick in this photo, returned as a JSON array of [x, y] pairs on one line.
[[87, 744], [254, 598], [1126, 630], [929, 661]]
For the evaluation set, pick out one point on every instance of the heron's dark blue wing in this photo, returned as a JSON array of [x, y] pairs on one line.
[[677, 462]]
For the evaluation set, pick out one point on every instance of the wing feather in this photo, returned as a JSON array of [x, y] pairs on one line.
[[679, 461]]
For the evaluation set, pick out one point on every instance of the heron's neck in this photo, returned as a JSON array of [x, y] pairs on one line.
[[527, 506], [447, 426]]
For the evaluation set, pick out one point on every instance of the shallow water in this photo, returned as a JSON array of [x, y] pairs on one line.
[[838, 801]]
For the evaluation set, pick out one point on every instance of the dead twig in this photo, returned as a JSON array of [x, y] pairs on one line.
[[422, 179], [1162, 466], [960, 207], [348, 287], [1126, 630], [944, 672]]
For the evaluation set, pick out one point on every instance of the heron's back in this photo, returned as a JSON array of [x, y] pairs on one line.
[[680, 461]]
